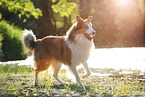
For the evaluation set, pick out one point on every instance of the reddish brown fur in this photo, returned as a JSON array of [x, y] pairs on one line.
[[50, 49]]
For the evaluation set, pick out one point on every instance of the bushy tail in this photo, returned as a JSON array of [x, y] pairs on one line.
[[29, 39]]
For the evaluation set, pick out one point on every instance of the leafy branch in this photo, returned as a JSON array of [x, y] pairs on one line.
[[24, 7], [64, 8]]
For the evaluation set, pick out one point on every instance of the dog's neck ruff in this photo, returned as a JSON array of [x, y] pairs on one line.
[[80, 48]]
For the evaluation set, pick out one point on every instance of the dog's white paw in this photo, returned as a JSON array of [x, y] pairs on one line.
[[65, 83], [85, 75]]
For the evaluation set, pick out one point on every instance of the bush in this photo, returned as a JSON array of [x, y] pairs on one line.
[[10, 43], [1, 38]]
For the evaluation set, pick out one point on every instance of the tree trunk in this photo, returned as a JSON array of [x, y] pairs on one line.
[[141, 22], [85, 8], [44, 24]]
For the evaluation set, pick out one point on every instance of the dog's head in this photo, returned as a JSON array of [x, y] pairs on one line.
[[85, 27]]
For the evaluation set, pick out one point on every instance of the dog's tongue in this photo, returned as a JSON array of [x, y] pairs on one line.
[[92, 36], [89, 37]]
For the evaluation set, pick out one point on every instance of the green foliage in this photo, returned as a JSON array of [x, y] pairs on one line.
[[64, 8], [0, 15], [25, 7], [11, 45], [1, 38]]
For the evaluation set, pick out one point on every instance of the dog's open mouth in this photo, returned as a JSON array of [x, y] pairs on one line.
[[89, 37]]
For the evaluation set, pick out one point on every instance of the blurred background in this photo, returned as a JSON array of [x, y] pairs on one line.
[[118, 23]]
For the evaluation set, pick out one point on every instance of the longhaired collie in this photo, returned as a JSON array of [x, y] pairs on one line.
[[71, 50]]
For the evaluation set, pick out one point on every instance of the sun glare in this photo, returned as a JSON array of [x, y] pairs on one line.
[[122, 3]]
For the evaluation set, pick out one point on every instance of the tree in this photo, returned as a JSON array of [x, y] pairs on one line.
[[85, 8]]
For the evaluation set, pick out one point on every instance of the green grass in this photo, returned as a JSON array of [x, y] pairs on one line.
[[19, 81]]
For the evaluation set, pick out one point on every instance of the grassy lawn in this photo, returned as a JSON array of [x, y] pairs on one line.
[[19, 81]]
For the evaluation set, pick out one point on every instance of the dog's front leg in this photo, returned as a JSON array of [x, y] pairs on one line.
[[75, 72], [87, 69]]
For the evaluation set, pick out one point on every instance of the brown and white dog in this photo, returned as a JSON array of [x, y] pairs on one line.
[[71, 50]]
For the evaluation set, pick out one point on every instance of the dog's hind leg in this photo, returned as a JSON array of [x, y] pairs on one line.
[[36, 77], [40, 65], [56, 67], [74, 71], [87, 69]]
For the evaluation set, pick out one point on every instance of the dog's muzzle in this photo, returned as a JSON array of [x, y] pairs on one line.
[[90, 36]]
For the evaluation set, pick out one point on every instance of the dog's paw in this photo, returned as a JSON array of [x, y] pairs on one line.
[[64, 83], [81, 89], [84, 76], [36, 85]]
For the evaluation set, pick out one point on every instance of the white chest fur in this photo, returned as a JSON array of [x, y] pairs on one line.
[[80, 49]]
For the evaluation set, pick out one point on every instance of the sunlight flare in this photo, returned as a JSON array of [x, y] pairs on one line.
[[122, 3]]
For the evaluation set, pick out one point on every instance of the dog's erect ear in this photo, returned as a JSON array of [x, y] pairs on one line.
[[78, 19], [90, 18]]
